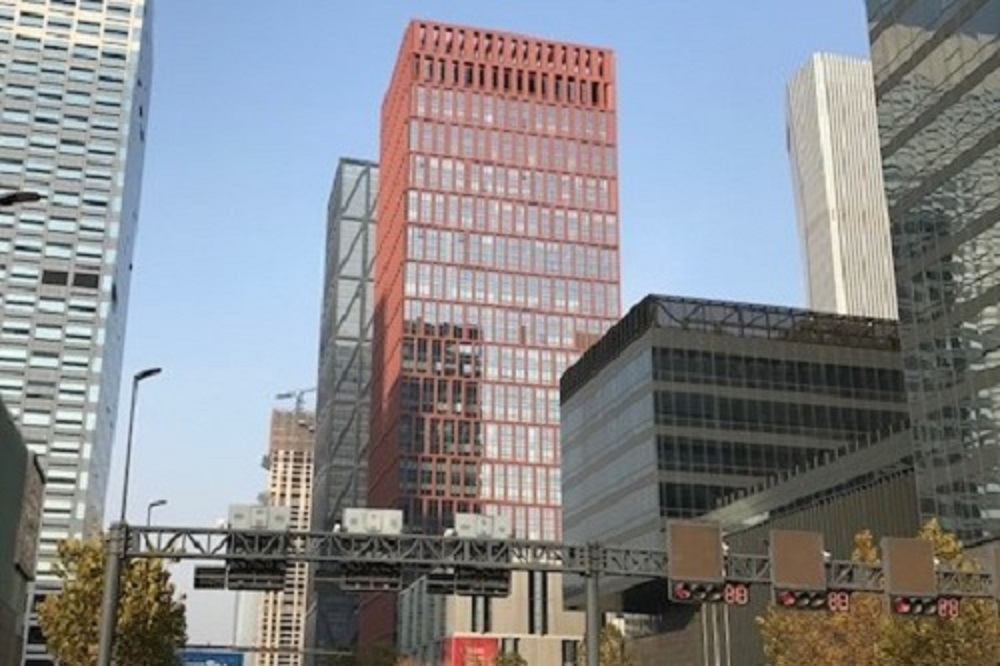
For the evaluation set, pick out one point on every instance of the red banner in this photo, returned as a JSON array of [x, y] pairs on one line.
[[470, 651]]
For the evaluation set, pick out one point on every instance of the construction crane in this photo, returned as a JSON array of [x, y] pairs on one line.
[[298, 395]]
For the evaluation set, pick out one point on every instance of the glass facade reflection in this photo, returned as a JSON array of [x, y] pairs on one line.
[[685, 402], [343, 389], [937, 85]]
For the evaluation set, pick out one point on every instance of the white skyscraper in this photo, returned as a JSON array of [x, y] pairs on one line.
[[74, 101], [843, 222]]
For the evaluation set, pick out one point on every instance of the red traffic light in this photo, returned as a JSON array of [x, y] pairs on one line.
[[801, 599], [915, 605], [698, 592]]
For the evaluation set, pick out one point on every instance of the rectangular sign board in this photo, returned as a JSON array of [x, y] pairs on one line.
[[218, 658]]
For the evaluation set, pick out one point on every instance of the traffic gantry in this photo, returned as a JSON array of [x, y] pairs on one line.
[[257, 545], [910, 576], [798, 573], [474, 581], [371, 574], [696, 565]]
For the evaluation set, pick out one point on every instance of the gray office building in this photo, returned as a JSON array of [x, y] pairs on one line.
[[937, 89], [76, 79], [343, 390], [686, 402]]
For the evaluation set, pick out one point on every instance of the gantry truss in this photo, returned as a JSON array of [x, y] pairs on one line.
[[423, 552]]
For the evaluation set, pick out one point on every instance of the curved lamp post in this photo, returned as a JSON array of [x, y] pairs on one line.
[[139, 376]]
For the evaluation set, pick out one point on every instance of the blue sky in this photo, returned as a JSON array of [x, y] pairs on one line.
[[253, 103]]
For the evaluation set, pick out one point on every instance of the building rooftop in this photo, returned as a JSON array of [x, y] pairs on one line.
[[743, 320]]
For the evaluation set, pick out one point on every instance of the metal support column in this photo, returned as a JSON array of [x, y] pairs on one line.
[[593, 608], [114, 555]]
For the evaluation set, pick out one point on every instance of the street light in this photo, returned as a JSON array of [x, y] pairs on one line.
[[139, 376], [149, 509], [22, 196]]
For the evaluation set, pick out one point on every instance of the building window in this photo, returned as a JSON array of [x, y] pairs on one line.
[[569, 649]]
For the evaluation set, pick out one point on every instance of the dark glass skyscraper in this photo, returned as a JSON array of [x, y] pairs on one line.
[[343, 388], [937, 88]]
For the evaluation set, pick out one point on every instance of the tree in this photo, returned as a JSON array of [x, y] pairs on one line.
[[510, 659], [377, 654], [612, 650], [870, 634], [151, 625]]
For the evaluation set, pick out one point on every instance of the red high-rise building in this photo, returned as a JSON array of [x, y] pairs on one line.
[[497, 265]]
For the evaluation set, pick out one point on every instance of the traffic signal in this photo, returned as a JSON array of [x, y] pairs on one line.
[[800, 599], [910, 577], [695, 562], [798, 570], [697, 592], [914, 605]]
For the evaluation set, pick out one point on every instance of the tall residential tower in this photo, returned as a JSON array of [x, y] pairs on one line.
[[937, 87], [281, 615], [839, 197], [497, 266], [75, 80]]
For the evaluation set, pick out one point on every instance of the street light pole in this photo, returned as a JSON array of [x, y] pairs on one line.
[[149, 509], [115, 550], [139, 376]]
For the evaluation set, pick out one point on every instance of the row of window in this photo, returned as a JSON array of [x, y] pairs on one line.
[[19, 329], [100, 151], [74, 306], [56, 70], [36, 222], [529, 522], [521, 484], [531, 443], [555, 153], [691, 454], [547, 187], [107, 96], [110, 7], [511, 218], [712, 411], [505, 325], [539, 84], [520, 404], [80, 51], [511, 255], [33, 248], [65, 391], [113, 30], [851, 381], [512, 114], [597, 299], [691, 500]]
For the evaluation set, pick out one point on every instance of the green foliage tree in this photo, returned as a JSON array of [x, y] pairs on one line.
[[612, 650], [378, 654], [871, 635], [510, 659], [151, 625]]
